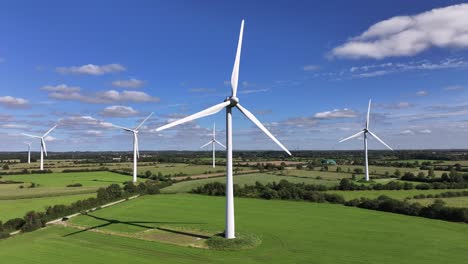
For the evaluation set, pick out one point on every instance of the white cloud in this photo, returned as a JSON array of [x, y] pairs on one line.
[[13, 102], [311, 68], [407, 132], [64, 92], [12, 126], [119, 111], [253, 91], [83, 122], [409, 35], [399, 105], [93, 132], [62, 88], [202, 90], [132, 83], [336, 113], [92, 69], [425, 131], [454, 88], [422, 93]]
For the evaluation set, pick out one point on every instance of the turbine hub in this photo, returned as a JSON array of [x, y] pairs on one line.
[[233, 99]]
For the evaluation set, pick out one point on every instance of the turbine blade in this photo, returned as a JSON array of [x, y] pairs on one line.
[[353, 136], [28, 135], [381, 141], [48, 132], [211, 141], [252, 118], [124, 128], [44, 146], [219, 143], [368, 114], [235, 70], [214, 131], [209, 111], [142, 122]]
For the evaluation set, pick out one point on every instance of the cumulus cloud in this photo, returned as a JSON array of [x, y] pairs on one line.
[[83, 123], [132, 83], [407, 132], [409, 35], [336, 113], [119, 111], [63, 92], [13, 102], [62, 88], [425, 131], [92, 69]]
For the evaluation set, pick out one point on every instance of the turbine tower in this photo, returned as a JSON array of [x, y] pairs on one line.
[[29, 151], [213, 143], [43, 144], [366, 131], [228, 104], [136, 151]]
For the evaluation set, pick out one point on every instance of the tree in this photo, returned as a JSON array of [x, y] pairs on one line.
[[338, 169], [431, 173], [6, 167], [397, 173], [148, 173]]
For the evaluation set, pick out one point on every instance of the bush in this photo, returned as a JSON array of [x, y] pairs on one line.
[[4, 235], [75, 185], [242, 241]]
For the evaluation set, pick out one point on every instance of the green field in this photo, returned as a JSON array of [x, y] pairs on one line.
[[291, 232], [452, 201], [241, 180], [18, 208], [396, 194]]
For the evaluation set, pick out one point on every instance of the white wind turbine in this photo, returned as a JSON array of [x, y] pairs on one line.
[[213, 143], [136, 151], [43, 144], [29, 151], [228, 104], [365, 131]]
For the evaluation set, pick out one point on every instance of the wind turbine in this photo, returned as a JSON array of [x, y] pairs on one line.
[[29, 151], [365, 131], [228, 104], [213, 143], [136, 152], [43, 144]]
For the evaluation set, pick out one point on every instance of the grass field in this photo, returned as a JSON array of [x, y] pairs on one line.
[[452, 201], [18, 208], [241, 180], [291, 232], [396, 194]]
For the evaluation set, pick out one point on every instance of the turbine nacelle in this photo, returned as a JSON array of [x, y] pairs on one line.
[[234, 100]]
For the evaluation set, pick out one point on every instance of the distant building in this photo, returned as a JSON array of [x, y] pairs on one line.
[[328, 162], [11, 161], [117, 159]]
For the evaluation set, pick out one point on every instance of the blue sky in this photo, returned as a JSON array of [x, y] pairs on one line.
[[307, 71]]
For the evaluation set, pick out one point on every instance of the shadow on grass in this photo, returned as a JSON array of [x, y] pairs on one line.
[[137, 224]]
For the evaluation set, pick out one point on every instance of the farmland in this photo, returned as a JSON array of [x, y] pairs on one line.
[[318, 233]]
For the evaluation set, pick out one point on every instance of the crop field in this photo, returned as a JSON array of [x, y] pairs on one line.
[[318, 233], [19, 207], [249, 179]]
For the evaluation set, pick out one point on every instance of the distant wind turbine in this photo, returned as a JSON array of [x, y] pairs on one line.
[[365, 131], [29, 151], [213, 143], [228, 104], [136, 151], [43, 144]]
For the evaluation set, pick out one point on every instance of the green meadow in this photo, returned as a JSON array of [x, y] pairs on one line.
[[291, 232]]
